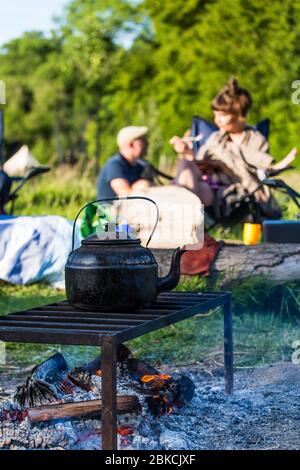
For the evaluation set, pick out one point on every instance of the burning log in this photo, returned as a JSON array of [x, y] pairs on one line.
[[47, 383], [52, 380], [91, 408], [162, 391], [82, 376]]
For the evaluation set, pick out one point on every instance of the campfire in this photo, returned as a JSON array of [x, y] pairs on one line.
[[68, 401]]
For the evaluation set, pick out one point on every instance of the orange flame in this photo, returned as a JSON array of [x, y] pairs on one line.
[[149, 378]]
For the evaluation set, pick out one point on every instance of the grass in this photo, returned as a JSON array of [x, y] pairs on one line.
[[63, 193], [266, 322], [266, 314], [15, 298]]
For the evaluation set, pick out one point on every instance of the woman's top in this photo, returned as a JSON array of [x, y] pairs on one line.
[[240, 163]]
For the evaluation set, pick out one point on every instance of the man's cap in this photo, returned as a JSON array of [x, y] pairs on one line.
[[131, 133]]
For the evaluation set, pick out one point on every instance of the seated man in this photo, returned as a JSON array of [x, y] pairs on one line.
[[123, 173]]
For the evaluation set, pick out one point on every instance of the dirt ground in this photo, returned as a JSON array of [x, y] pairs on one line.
[[263, 412]]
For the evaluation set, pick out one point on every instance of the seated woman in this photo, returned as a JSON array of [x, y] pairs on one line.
[[236, 149]]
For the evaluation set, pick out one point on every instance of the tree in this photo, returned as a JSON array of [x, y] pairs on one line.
[[111, 63]]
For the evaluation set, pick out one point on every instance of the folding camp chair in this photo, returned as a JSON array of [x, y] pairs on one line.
[[7, 182], [236, 209], [202, 129]]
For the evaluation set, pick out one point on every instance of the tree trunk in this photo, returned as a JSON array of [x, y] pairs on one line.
[[235, 261]]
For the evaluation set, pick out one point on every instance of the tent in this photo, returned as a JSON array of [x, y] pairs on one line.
[[21, 162]]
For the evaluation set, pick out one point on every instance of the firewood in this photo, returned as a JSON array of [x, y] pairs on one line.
[[125, 404], [161, 391]]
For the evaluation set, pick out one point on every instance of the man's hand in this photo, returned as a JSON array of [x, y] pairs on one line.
[[141, 184]]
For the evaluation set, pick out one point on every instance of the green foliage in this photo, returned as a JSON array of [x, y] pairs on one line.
[[112, 63]]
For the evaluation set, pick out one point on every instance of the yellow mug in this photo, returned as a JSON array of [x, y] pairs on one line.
[[251, 233]]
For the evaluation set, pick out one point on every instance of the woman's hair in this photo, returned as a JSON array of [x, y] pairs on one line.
[[232, 99]]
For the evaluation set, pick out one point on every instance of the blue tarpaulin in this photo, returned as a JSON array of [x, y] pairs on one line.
[[35, 249]]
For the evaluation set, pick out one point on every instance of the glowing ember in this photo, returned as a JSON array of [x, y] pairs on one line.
[[14, 415], [125, 430]]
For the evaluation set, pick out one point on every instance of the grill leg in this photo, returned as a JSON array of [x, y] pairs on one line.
[[109, 393], [228, 347]]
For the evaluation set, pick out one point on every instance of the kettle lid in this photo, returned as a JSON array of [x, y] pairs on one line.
[[114, 234], [95, 240]]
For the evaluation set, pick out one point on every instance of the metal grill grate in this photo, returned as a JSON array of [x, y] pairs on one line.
[[59, 323]]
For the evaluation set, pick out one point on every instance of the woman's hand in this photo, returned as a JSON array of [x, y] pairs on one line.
[[180, 146]]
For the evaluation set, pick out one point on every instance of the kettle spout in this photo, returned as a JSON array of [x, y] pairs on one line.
[[172, 278]]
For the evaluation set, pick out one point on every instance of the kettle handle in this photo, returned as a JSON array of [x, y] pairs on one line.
[[121, 198]]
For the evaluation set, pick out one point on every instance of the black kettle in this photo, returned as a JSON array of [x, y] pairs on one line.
[[116, 273]]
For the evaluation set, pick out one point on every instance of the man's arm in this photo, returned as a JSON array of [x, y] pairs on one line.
[[122, 187]]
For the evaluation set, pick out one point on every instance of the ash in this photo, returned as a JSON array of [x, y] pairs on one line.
[[263, 413]]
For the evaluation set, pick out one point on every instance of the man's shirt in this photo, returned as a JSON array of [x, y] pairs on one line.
[[117, 167]]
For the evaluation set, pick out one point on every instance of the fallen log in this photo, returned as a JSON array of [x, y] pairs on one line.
[[235, 261], [91, 408]]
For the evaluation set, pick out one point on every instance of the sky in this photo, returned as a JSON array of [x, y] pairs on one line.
[[18, 16]]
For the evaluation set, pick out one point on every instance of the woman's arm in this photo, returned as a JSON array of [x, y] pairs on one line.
[[265, 146], [286, 161]]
